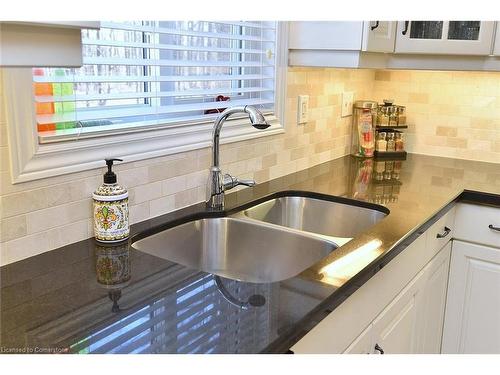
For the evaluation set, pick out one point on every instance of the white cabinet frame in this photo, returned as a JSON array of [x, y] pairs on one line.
[[496, 42], [379, 36], [444, 46]]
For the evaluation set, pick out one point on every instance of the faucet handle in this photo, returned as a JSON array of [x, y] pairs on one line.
[[231, 182], [246, 182]]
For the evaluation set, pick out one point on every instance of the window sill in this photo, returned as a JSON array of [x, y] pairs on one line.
[[54, 159]]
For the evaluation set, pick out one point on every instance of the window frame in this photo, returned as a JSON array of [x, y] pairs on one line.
[[32, 161]]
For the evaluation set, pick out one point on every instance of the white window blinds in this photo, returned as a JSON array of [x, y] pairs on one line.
[[157, 73]]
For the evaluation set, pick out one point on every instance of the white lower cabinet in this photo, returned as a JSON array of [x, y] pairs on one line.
[[363, 343], [394, 331], [472, 320], [412, 322], [431, 304], [423, 302]]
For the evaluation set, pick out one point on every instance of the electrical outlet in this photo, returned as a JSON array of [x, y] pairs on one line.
[[303, 109], [347, 103]]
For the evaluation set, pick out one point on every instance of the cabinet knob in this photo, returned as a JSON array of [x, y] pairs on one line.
[[444, 234], [492, 227], [379, 349]]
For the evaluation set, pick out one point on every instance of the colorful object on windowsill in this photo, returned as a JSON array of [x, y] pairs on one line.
[[219, 98], [111, 222], [43, 108], [53, 98]]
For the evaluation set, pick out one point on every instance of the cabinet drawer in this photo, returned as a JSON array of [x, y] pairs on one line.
[[441, 231], [473, 221]]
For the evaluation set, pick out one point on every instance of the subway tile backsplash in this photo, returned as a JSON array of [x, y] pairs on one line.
[[450, 114], [42, 215]]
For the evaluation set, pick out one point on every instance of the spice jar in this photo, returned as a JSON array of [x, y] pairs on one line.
[[393, 116], [381, 144], [398, 142], [401, 115], [382, 116], [363, 131], [391, 145]]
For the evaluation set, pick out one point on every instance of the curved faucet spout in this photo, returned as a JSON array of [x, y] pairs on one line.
[[217, 182], [256, 118]]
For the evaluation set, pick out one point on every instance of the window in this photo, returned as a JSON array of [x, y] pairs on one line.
[[146, 89], [156, 73]]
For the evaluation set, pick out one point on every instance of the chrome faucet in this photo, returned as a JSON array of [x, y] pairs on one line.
[[217, 182]]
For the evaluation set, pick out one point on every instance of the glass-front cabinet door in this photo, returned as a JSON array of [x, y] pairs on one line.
[[445, 37]]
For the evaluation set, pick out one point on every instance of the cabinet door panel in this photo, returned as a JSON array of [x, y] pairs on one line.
[[394, 330], [496, 45], [363, 343], [432, 303], [445, 37], [379, 36], [328, 35], [472, 323]]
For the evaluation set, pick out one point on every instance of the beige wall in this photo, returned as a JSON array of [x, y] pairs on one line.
[[452, 114], [42, 215]]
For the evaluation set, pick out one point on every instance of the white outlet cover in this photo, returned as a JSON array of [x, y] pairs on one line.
[[347, 103], [303, 109]]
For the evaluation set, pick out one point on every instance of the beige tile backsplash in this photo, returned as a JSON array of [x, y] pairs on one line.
[[452, 114], [42, 215]]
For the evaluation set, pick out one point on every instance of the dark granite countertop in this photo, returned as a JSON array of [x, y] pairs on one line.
[[88, 297]]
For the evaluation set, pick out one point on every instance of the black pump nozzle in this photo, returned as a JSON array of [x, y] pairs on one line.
[[110, 176]]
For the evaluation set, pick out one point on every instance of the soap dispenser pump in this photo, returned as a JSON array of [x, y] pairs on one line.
[[111, 208]]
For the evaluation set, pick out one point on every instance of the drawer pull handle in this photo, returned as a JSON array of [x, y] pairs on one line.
[[406, 28], [374, 26], [444, 234], [494, 228], [379, 349]]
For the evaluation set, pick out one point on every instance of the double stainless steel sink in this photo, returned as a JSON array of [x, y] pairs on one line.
[[269, 242]]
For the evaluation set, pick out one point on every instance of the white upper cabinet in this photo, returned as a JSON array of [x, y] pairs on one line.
[[496, 43], [27, 44], [334, 35], [372, 36], [379, 36], [445, 37], [340, 43]]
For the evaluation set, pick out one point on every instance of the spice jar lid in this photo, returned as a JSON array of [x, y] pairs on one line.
[[370, 104]]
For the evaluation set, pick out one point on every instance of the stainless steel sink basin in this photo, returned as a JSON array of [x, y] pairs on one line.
[[316, 216], [237, 249]]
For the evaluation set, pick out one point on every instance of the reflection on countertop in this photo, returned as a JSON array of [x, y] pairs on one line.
[[89, 297]]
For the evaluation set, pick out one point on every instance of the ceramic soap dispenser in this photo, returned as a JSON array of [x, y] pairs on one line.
[[110, 208]]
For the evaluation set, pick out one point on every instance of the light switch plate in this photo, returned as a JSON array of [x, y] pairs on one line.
[[303, 109], [347, 103]]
